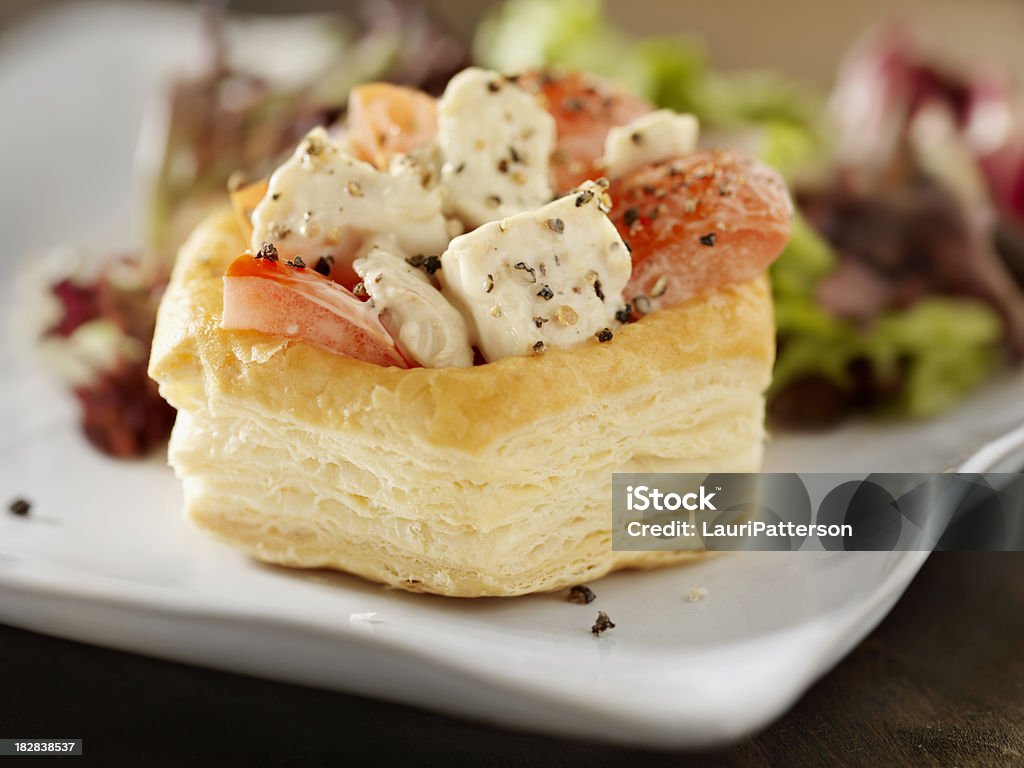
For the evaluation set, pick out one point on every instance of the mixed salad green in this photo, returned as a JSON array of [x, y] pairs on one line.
[[913, 355]]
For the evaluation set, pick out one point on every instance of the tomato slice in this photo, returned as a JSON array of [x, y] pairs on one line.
[[701, 221], [386, 120], [262, 294], [585, 108]]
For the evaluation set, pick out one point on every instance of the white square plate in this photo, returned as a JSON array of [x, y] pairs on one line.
[[105, 557]]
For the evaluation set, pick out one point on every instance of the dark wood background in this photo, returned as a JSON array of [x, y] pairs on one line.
[[939, 683]]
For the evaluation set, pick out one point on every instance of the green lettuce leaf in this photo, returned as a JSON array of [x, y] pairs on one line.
[[940, 349]]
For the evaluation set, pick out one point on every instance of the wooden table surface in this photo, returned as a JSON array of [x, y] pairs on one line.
[[939, 683]]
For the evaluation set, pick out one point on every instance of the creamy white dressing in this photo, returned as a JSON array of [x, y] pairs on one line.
[[322, 201], [425, 326], [545, 279], [495, 141], [532, 276], [653, 137]]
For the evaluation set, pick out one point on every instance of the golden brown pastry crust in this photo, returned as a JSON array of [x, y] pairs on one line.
[[463, 481]]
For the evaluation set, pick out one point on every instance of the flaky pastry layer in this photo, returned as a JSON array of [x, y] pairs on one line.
[[491, 480]]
